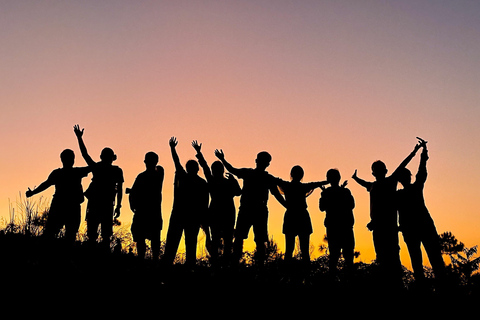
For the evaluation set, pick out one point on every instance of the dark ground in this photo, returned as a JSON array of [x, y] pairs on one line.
[[39, 278]]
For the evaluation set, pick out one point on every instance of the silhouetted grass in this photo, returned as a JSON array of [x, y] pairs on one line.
[[31, 265]]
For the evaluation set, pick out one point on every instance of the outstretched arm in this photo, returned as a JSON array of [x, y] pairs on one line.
[[176, 160], [81, 144], [361, 182], [276, 193], [221, 156], [42, 187]]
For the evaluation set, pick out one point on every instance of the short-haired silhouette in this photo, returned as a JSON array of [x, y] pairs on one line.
[[383, 216], [221, 211], [253, 211], [338, 204], [106, 188], [145, 199], [190, 204], [297, 222], [416, 223], [65, 208]]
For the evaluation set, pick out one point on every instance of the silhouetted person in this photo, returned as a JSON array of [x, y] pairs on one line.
[[383, 216], [190, 204], [221, 211], [146, 203], [106, 188], [415, 222], [338, 204], [65, 209], [296, 221], [253, 211]]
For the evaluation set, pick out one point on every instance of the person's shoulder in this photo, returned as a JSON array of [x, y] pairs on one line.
[[55, 173]]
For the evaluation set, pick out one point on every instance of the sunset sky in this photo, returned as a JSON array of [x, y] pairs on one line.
[[321, 84]]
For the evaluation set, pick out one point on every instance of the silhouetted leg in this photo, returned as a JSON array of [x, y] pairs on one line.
[[415, 251], [227, 245], [237, 250], [174, 235], [260, 230], [107, 228], [215, 246], [141, 248], [334, 246], [191, 236], [93, 222], [289, 246], [388, 257], [72, 224], [349, 251], [431, 243], [155, 244], [260, 255], [241, 232], [305, 247], [54, 222]]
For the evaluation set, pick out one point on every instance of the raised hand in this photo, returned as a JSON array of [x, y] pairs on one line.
[[354, 176], [29, 193], [344, 184], [78, 132], [423, 143], [219, 154], [196, 146], [173, 142]]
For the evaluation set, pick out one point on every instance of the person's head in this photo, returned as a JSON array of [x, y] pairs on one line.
[[151, 160], [192, 167], [404, 176], [107, 155], [379, 169], [218, 169], [263, 160], [68, 158], [296, 174], [333, 177]]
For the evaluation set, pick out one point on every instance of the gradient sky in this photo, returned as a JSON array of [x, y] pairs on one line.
[[321, 84]]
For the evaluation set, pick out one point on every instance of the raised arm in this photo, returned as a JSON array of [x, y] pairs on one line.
[[407, 159], [421, 176], [176, 160], [361, 182], [221, 156], [81, 144], [201, 160]]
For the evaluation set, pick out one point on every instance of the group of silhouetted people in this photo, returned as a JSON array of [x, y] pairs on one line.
[[208, 205]]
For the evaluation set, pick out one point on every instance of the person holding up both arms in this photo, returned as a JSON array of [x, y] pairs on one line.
[[416, 223], [384, 219]]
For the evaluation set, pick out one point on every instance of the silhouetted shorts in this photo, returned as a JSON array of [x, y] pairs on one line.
[[99, 213], [341, 239], [63, 214], [387, 246], [146, 226], [252, 217]]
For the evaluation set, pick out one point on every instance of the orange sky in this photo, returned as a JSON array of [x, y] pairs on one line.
[[316, 83]]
